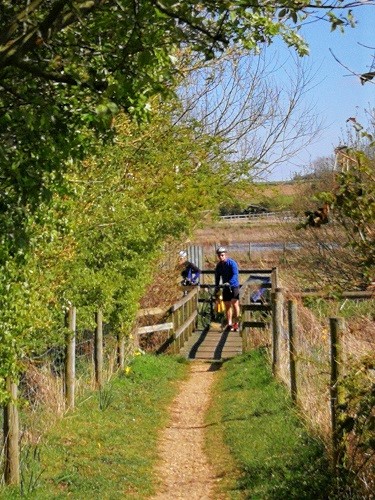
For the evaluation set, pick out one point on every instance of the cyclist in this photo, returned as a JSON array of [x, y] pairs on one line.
[[190, 272], [227, 271]]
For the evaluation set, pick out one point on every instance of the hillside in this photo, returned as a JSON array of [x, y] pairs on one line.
[[275, 196]]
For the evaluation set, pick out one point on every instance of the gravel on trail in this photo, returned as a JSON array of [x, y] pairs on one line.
[[184, 471]]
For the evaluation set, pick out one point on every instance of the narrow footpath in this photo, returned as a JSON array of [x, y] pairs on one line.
[[184, 471]]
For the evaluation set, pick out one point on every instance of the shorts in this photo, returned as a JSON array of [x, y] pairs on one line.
[[231, 293]]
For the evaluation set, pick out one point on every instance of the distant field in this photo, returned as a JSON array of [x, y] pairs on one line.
[[227, 231], [274, 195], [283, 188], [244, 230]]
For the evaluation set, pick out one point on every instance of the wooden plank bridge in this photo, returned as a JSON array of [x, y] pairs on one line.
[[215, 344], [197, 337]]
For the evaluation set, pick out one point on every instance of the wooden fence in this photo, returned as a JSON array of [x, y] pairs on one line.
[[182, 321], [281, 339], [183, 315], [11, 432], [278, 316], [286, 216], [322, 363]]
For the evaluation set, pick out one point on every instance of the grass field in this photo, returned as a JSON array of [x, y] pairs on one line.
[[257, 442], [106, 448]]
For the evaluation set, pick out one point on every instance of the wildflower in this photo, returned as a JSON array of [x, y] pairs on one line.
[[324, 334], [127, 370]]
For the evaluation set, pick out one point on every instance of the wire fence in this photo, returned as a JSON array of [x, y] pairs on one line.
[[52, 380], [328, 367]]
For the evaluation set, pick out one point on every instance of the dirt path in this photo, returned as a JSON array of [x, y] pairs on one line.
[[184, 470]]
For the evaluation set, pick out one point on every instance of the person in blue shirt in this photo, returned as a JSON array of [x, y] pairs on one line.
[[226, 271], [190, 272]]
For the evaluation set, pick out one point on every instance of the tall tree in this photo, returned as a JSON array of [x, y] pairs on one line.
[[255, 105], [67, 67]]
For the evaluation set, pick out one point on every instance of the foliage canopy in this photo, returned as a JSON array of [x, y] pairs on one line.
[[67, 70]]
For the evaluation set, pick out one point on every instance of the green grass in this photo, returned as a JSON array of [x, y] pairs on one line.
[[260, 448], [108, 450]]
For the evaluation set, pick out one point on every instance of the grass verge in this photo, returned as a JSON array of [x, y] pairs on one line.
[[259, 447], [107, 447]]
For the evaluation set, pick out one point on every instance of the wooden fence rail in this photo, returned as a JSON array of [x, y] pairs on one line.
[[287, 339], [182, 321], [279, 216], [184, 316]]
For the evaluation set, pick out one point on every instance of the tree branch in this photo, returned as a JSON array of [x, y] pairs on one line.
[[52, 76], [55, 20], [20, 18], [214, 37]]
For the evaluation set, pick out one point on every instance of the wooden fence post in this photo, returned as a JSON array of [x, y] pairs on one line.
[[246, 318], [195, 308], [277, 327], [274, 279], [174, 320], [292, 325], [11, 437], [70, 354], [336, 331], [120, 351], [98, 349]]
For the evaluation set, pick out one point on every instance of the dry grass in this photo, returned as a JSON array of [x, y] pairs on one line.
[[313, 370], [40, 387], [313, 366], [226, 232], [41, 396]]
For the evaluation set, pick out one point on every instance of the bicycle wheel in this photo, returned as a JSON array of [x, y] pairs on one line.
[[204, 311]]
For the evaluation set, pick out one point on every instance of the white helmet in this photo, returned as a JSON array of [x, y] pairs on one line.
[[182, 254], [221, 250]]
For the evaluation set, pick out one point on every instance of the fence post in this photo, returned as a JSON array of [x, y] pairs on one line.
[[195, 308], [277, 326], [98, 349], [175, 321], [246, 317], [274, 278], [70, 353], [292, 324], [120, 351], [250, 256], [336, 331], [11, 437], [284, 253]]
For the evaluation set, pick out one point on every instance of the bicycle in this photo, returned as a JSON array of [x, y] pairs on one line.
[[206, 306]]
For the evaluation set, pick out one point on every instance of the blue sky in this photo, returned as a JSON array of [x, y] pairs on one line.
[[337, 94]]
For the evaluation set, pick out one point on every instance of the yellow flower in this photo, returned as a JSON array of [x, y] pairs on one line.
[[127, 370]]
